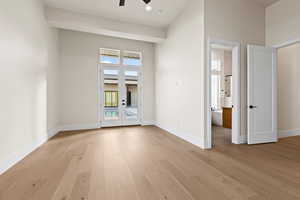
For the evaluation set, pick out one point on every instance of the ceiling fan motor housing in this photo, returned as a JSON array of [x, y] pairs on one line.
[[147, 1], [122, 2]]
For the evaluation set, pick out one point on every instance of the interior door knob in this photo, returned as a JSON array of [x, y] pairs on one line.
[[252, 107]]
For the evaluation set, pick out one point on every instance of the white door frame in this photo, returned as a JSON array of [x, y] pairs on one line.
[[236, 83], [287, 43], [140, 70]]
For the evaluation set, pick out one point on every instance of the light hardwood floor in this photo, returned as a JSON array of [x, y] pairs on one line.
[[145, 163], [221, 135]]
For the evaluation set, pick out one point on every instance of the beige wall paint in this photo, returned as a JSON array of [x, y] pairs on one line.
[[79, 61], [240, 21], [180, 76], [283, 22], [24, 60], [288, 88]]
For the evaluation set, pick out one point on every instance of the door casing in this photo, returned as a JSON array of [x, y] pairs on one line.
[[236, 75]]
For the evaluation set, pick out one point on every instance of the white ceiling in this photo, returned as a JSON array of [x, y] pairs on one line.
[[267, 2], [164, 11]]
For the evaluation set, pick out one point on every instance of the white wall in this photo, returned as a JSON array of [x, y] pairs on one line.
[[227, 63], [79, 60], [240, 21], [180, 76], [64, 19], [288, 90], [53, 83], [283, 22], [24, 40]]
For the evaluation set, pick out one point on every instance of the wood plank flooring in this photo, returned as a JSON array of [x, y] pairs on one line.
[[221, 135], [147, 163]]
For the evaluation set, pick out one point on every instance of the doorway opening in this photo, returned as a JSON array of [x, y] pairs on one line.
[[120, 88], [288, 97], [223, 96]]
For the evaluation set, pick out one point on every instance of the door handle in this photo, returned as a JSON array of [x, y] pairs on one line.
[[252, 107]]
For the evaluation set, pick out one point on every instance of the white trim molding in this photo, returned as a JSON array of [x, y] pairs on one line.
[[77, 127], [287, 43], [288, 133], [16, 157], [53, 131], [185, 136], [236, 84], [243, 139], [148, 123]]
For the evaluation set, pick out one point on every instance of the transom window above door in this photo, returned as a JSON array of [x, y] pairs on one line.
[[118, 57], [132, 58], [110, 56]]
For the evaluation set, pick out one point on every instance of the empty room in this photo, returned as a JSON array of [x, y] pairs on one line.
[[149, 100]]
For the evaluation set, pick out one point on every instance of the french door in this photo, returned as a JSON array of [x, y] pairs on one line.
[[120, 95]]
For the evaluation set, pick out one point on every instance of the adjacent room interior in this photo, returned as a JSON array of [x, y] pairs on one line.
[[221, 94], [149, 99]]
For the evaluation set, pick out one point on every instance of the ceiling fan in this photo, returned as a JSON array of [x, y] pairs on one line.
[[122, 2]]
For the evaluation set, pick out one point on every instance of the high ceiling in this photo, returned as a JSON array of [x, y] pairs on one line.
[[164, 11], [267, 2]]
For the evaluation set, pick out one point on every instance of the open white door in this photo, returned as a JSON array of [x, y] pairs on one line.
[[262, 95]]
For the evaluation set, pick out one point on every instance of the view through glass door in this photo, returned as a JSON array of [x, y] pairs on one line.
[[120, 87]]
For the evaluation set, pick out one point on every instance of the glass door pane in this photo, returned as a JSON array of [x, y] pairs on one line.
[[131, 95], [120, 96], [111, 95]]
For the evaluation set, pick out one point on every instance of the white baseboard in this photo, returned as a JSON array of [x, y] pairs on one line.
[[16, 157], [52, 132], [243, 139], [77, 127], [187, 137], [288, 133], [281, 134], [148, 123]]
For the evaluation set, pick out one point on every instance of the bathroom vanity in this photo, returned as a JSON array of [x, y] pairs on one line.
[[227, 117]]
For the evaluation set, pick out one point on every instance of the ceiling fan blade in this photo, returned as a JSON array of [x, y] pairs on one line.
[[122, 3], [147, 1]]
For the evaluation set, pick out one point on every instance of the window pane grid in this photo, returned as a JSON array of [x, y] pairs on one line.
[[111, 99], [114, 57], [110, 56]]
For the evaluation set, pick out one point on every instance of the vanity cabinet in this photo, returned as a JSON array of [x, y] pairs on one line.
[[227, 117]]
